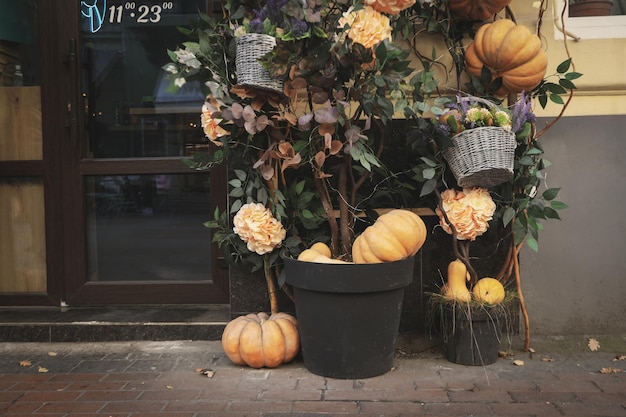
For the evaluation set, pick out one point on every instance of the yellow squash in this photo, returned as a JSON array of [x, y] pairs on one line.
[[489, 291], [456, 287], [319, 252]]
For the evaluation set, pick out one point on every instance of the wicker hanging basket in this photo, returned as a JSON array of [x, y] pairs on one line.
[[482, 157], [251, 47]]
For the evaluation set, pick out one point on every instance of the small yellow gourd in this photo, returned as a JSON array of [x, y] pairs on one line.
[[489, 291], [319, 252], [456, 288], [315, 250], [322, 248], [323, 259]]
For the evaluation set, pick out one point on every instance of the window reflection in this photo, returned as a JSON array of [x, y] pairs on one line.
[[130, 110], [595, 8], [148, 227], [19, 56]]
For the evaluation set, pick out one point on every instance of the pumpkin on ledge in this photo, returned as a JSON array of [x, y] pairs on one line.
[[510, 52]]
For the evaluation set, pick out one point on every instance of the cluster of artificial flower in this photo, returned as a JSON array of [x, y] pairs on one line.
[[255, 225], [211, 126], [469, 211], [326, 55], [464, 115], [471, 112], [284, 19]]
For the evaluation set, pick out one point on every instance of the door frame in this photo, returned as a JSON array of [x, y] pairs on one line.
[[63, 170]]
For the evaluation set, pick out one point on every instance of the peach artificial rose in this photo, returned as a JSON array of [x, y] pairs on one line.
[[480, 201], [367, 26], [211, 126], [392, 7], [255, 225], [469, 211]]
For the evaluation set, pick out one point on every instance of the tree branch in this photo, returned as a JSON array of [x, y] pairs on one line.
[[271, 286], [327, 205]]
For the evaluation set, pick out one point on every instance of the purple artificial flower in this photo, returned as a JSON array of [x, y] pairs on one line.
[[257, 24], [274, 9], [298, 27], [464, 104], [443, 129], [522, 113]]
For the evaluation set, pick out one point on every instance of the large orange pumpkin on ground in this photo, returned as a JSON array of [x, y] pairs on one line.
[[394, 235], [260, 340], [476, 9], [509, 51]]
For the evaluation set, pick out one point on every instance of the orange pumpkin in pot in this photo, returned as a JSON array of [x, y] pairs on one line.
[[394, 235]]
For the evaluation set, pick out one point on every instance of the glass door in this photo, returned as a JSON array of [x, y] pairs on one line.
[[139, 210], [96, 204], [143, 208]]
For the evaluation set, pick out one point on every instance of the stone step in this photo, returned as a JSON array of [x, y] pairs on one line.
[[112, 324]]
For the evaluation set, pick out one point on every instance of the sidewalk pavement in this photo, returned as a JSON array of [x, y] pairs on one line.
[[195, 379]]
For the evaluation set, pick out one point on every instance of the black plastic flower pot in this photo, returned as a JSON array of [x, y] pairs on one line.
[[472, 334], [348, 315]]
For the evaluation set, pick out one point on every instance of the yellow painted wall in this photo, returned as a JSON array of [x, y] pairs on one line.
[[602, 89]]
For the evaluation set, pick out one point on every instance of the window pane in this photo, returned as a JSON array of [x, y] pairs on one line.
[[148, 227], [131, 111], [20, 98], [22, 241]]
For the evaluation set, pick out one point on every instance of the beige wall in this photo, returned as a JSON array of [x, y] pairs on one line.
[[576, 283]]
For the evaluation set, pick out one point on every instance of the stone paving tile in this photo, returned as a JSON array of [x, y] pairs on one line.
[[160, 380]]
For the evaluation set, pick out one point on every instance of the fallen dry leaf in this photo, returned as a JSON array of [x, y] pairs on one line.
[[52, 354], [619, 358], [25, 363], [593, 344], [43, 370], [169, 387], [518, 362], [547, 360], [610, 370], [206, 372], [505, 353]]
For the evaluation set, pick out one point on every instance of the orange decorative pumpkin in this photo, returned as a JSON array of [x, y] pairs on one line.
[[509, 51], [395, 235], [476, 9], [260, 340]]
